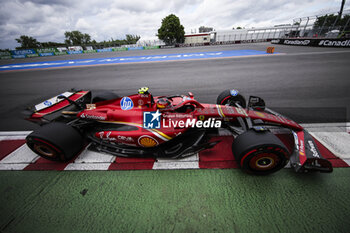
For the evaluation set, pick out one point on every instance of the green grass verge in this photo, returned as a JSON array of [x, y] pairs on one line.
[[174, 201]]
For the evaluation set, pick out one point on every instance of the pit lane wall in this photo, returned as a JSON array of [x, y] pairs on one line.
[[337, 43]]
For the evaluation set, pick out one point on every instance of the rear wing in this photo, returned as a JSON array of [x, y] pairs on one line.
[[49, 110]]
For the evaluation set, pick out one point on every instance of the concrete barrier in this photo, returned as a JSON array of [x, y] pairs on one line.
[[337, 43]]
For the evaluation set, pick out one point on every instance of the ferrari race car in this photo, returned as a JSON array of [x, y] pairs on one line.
[[142, 125]]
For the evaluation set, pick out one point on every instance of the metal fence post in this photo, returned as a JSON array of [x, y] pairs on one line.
[[347, 22], [324, 22], [335, 22], [306, 26], [296, 30]]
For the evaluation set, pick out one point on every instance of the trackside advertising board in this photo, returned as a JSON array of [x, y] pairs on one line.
[[120, 49], [5, 55], [135, 48], [22, 53], [152, 47], [340, 43], [47, 52], [104, 50]]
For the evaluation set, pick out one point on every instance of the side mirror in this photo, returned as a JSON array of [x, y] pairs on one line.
[[256, 103]]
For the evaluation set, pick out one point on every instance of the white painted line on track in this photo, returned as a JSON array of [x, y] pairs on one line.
[[5, 138], [14, 166], [336, 142], [13, 135], [339, 126], [94, 157], [347, 161], [315, 53], [175, 165], [21, 155], [334, 136], [192, 158], [191, 162], [87, 166]]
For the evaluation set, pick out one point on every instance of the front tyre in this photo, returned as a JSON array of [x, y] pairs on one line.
[[231, 97], [55, 141], [259, 153]]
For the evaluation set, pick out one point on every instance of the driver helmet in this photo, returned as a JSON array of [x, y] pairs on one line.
[[144, 90], [163, 103]]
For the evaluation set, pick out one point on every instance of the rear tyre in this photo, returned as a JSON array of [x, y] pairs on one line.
[[104, 96], [56, 141], [230, 97], [259, 152]]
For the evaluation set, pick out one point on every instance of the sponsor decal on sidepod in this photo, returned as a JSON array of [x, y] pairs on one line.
[[126, 103], [93, 117]]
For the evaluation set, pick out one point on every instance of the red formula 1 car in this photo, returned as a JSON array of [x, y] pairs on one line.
[[176, 126]]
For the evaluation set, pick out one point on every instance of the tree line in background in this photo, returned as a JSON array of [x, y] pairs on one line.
[[74, 38], [332, 20], [171, 32]]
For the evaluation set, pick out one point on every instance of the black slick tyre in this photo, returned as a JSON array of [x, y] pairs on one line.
[[55, 141], [230, 97], [104, 96], [259, 152]]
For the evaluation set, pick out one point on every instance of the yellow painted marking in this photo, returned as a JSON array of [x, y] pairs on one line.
[[220, 109]]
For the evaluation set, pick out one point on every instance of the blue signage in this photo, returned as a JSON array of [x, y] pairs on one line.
[[104, 50], [46, 54], [18, 56], [22, 52], [135, 48], [75, 52]]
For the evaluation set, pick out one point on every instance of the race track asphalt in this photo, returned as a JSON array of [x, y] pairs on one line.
[[308, 84]]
